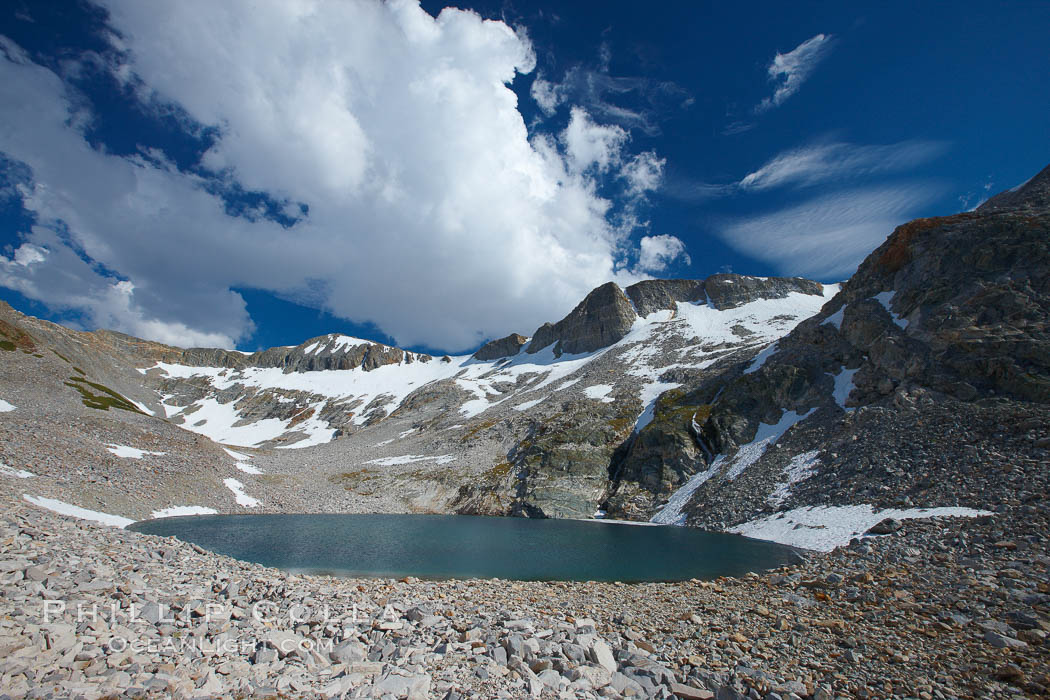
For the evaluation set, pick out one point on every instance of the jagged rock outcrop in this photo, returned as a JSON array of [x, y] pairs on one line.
[[728, 291], [649, 296], [601, 319], [503, 347]]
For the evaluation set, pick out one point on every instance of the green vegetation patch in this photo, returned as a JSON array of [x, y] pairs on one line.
[[500, 470], [106, 399], [7, 345]]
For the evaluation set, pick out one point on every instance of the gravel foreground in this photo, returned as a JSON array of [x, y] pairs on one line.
[[938, 609]]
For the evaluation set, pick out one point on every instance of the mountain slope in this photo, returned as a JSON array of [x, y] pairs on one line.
[[925, 381], [521, 427]]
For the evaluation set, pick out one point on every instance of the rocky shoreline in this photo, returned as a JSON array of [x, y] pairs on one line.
[[939, 609]]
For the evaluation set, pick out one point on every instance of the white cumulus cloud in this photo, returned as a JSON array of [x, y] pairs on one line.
[[789, 70], [658, 252], [430, 211], [644, 172], [590, 144]]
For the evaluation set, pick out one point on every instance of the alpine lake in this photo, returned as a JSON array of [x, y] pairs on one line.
[[462, 547]]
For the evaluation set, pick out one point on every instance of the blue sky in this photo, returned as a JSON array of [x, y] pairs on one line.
[[249, 175]]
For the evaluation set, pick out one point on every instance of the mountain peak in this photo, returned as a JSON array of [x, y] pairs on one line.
[[602, 318], [1031, 194]]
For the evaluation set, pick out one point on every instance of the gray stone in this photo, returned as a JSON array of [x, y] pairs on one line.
[[348, 652], [688, 692], [600, 653], [597, 676], [409, 687], [1001, 641], [885, 527]]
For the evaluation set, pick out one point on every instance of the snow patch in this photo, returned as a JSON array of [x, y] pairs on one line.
[[411, 459], [15, 473], [141, 407], [131, 452], [529, 404], [760, 359], [843, 387], [823, 528], [648, 394], [176, 511], [242, 498], [886, 298], [835, 319], [599, 392], [799, 468], [5, 407], [77, 512], [765, 436], [671, 514]]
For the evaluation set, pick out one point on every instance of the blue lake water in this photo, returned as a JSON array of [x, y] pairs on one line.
[[461, 546]]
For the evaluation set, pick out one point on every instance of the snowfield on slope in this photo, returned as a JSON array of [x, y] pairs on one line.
[[63, 508], [710, 330], [131, 452], [178, 511], [823, 528]]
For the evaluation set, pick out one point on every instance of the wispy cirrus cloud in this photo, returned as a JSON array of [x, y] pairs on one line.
[[827, 237], [631, 102], [817, 163], [789, 70]]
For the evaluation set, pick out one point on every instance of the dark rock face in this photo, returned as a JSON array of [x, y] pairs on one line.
[[504, 347], [728, 291], [601, 319], [649, 296]]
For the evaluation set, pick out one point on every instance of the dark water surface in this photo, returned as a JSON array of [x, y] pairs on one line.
[[462, 546]]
